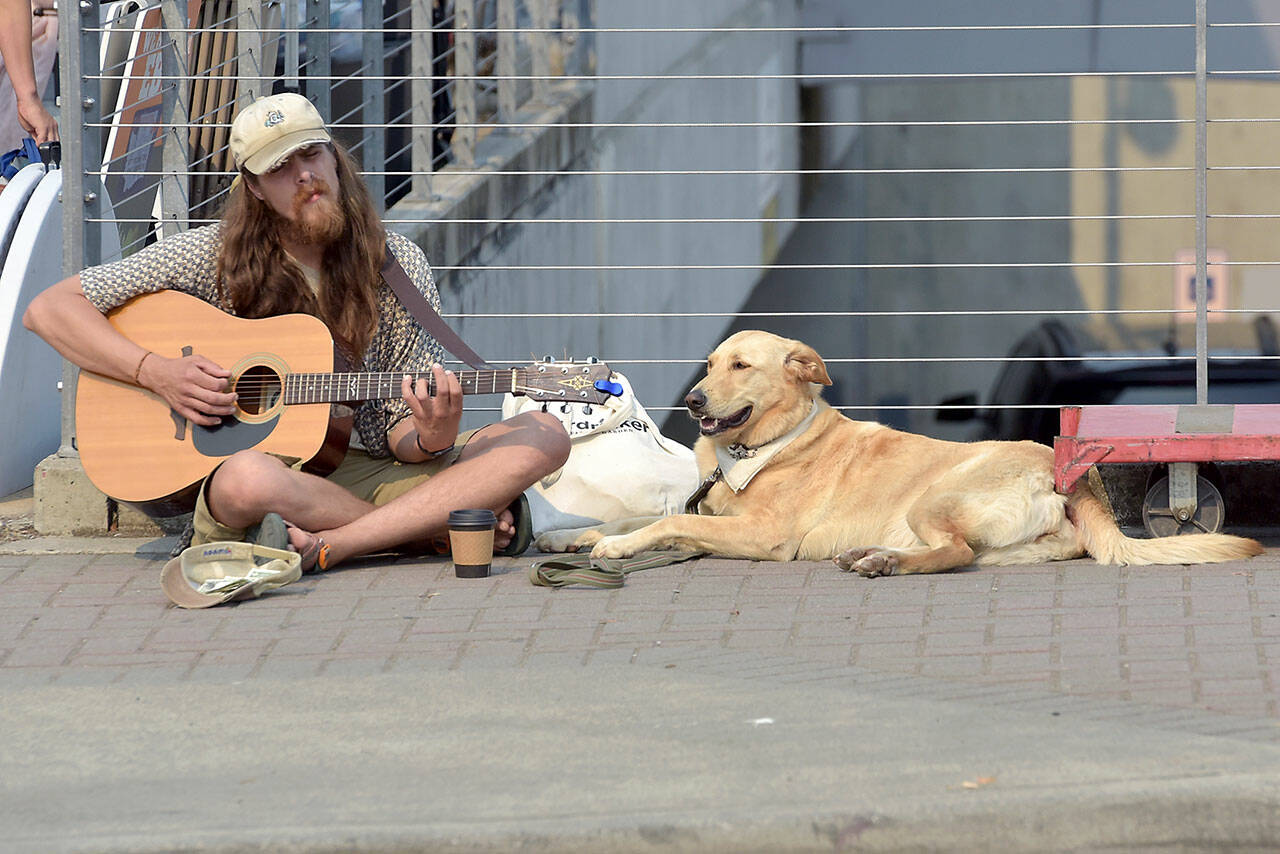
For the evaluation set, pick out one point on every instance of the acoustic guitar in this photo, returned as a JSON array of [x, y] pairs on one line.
[[135, 448]]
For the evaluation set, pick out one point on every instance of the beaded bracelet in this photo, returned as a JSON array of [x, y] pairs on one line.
[[431, 455], [138, 370]]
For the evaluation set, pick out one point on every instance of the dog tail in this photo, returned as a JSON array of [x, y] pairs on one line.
[[1106, 543]]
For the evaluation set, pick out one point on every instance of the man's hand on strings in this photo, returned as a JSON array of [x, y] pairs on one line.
[[435, 417], [195, 387]]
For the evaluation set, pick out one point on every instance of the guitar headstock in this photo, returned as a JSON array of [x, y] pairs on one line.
[[570, 382]]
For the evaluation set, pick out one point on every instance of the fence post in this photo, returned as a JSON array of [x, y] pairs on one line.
[[570, 39], [464, 83], [373, 148], [81, 133], [506, 61], [423, 96], [250, 18], [175, 151], [1202, 205], [319, 60], [540, 47], [292, 24]]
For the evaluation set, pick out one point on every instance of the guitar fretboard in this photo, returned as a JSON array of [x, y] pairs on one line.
[[348, 388]]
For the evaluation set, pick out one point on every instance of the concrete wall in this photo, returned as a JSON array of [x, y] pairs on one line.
[[918, 266], [487, 266], [1240, 197], [1087, 39], [649, 350], [816, 306], [925, 266]]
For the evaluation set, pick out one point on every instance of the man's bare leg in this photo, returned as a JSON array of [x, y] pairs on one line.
[[499, 463], [317, 502]]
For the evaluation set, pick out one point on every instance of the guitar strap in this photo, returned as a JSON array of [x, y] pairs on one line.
[[417, 305]]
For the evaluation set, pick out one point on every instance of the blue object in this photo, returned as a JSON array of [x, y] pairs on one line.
[[30, 151], [609, 387]]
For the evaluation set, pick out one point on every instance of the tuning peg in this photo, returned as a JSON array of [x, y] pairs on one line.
[[544, 406], [548, 359], [586, 410], [592, 360]]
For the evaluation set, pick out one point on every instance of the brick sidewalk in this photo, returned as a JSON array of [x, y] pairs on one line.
[[1193, 637]]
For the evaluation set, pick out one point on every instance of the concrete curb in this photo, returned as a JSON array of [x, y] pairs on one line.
[[1196, 819], [143, 547]]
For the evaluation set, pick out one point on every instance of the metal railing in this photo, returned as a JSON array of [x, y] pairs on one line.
[[465, 71], [409, 87]]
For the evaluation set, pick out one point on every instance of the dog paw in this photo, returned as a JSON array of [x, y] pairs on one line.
[[613, 547], [869, 563], [570, 540], [846, 559]]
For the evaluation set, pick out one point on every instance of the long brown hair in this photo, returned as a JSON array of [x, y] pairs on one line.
[[255, 278]]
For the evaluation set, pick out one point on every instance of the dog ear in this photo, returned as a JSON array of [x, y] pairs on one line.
[[804, 363]]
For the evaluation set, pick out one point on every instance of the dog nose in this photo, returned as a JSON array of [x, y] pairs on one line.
[[695, 400]]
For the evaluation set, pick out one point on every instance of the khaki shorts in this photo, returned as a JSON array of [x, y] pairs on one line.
[[377, 481]]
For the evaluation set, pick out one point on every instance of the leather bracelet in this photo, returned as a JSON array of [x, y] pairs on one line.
[[431, 455], [138, 370]]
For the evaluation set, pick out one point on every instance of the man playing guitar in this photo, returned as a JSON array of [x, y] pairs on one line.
[[300, 234]]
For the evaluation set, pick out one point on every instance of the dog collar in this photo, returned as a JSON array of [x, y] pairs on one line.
[[738, 463]]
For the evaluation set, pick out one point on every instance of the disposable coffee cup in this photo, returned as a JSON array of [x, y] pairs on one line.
[[471, 542]]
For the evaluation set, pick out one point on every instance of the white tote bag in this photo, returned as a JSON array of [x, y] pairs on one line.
[[620, 466]]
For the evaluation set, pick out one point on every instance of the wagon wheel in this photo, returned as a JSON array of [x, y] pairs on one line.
[[1160, 521]]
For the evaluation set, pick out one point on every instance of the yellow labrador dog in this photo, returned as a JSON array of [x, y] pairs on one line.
[[796, 480]]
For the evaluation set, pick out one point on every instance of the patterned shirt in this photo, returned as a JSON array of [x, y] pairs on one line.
[[188, 262]]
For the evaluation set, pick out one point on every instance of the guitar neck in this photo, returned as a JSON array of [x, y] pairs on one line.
[[349, 388]]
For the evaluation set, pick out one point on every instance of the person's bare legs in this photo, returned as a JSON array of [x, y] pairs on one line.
[[254, 484], [496, 465]]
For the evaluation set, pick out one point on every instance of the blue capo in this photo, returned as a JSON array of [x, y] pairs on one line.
[[609, 387]]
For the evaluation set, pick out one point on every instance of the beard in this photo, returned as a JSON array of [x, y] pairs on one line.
[[321, 221]]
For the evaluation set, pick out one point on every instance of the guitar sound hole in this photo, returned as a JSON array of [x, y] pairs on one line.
[[258, 390]]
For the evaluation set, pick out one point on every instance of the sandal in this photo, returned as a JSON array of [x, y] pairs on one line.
[[522, 518], [315, 556], [271, 532]]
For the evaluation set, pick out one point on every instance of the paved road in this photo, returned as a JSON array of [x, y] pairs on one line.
[[715, 705]]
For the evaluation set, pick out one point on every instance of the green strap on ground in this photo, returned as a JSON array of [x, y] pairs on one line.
[[605, 573]]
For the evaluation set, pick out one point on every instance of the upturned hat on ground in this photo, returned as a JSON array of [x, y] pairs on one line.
[[267, 131], [207, 575]]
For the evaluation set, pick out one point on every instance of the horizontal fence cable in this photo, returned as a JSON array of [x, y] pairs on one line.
[[548, 272]]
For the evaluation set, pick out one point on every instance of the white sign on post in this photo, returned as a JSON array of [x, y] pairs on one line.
[[1216, 284]]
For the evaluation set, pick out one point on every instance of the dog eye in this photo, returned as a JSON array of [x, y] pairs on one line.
[[740, 366]]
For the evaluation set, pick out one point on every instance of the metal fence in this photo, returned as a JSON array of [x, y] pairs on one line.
[[975, 200], [409, 88]]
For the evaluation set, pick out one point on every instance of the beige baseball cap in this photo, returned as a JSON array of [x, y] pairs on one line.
[[271, 128], [213, 573]]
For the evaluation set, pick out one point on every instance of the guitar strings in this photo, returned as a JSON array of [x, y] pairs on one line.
[[252, 386], [296, 383], [497, 381]]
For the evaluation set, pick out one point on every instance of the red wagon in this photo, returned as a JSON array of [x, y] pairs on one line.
[[1182, 437]]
